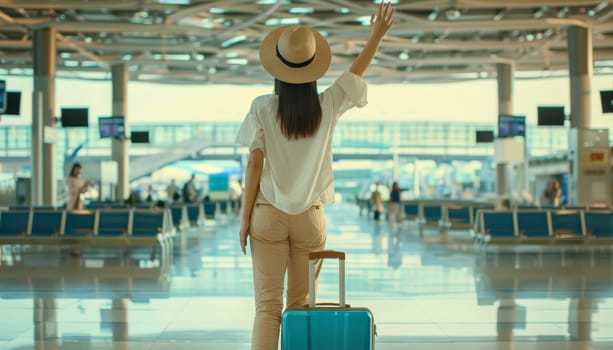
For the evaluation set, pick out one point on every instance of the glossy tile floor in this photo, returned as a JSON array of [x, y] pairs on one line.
[[426, 292]]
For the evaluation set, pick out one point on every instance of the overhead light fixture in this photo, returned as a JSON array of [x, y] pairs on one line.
[[301, 10], [562, 12], [434, 14], [283, 21], [175, 2], [540, 12], [364, 20], [216, 11], [499, 15], [237, 61], [453, 13], [394, 2], [235, 40]]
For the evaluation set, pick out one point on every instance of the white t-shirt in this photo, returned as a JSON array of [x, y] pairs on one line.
[[297, 173], [74, 186]]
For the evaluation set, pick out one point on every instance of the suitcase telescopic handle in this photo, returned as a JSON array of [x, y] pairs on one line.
[[327, 254]]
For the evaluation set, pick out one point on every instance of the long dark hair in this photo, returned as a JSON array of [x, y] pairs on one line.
[[74, 167], [299, 111]]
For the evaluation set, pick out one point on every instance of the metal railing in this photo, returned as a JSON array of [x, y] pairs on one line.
[[440, 137]]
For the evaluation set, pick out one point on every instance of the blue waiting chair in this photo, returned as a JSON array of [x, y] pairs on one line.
[[79, 224], [113, 223], [498, 225], [46, 224], [533, 224], [567, 224], [411, 210], [209, 210], [14, 225], [432, 213], [599, 224], [223, 207], [459, 216], [152, 228], [178, 215], [194, 214], [147, 223]]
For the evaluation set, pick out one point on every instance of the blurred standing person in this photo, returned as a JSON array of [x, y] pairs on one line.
[[76, 187], [190, 192], [394, 204], [151, 195], [289, 173], [376, 202], [173, 192], [553, 193]]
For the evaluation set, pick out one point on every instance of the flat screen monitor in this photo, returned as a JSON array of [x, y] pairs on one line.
[[139, 137], [606, 101], [484, 136], [511, 125], [13, 103], [75, 117], [111, 126], [551, 115]]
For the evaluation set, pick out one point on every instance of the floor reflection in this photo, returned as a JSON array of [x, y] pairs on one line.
[[426, 289], [580, 277]]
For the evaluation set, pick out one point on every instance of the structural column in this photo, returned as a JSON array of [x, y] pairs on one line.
[[119, 73], [505, 106], [119, 319], [580, 69], [45, 322], [580, 319], [43, 116]]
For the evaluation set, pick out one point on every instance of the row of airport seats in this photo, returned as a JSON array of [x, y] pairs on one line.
[[212, 209], [120, 227], [442, 213], [543, 225]]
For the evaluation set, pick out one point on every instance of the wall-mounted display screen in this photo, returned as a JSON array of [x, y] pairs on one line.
[[139, 137], [111, 126], [511, 125], [551, 115], [484, 136], [75, 117]]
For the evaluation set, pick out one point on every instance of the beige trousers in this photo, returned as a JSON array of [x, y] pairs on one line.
[[281, 242]]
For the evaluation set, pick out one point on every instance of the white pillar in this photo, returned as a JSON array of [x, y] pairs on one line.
[[119, 73]]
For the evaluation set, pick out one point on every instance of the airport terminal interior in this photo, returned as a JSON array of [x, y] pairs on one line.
[[502, 237]]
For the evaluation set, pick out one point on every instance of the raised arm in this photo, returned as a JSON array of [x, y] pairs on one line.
[[381, 23]]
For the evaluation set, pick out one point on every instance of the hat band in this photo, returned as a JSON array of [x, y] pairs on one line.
[[292, 64]]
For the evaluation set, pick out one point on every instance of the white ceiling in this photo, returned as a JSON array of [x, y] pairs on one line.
[[196, 41]]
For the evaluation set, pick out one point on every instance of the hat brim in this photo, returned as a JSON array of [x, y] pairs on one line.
[[279, 70]]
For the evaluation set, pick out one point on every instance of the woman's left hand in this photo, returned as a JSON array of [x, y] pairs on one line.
[[244, 232]]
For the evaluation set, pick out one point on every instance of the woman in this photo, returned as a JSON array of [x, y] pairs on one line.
[[76, 187], [394, 204], [283, 216]]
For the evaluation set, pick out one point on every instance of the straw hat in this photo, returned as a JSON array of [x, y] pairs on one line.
[[295, 54]]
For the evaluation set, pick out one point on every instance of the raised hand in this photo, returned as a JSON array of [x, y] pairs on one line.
[[382, 21]]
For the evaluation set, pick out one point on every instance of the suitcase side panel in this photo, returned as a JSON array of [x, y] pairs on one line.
[[327, 329]]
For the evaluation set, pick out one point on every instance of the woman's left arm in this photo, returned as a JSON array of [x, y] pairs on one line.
[[252, 186]]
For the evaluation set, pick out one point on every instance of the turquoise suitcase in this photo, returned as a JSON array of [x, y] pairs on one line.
[[327, 326]]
